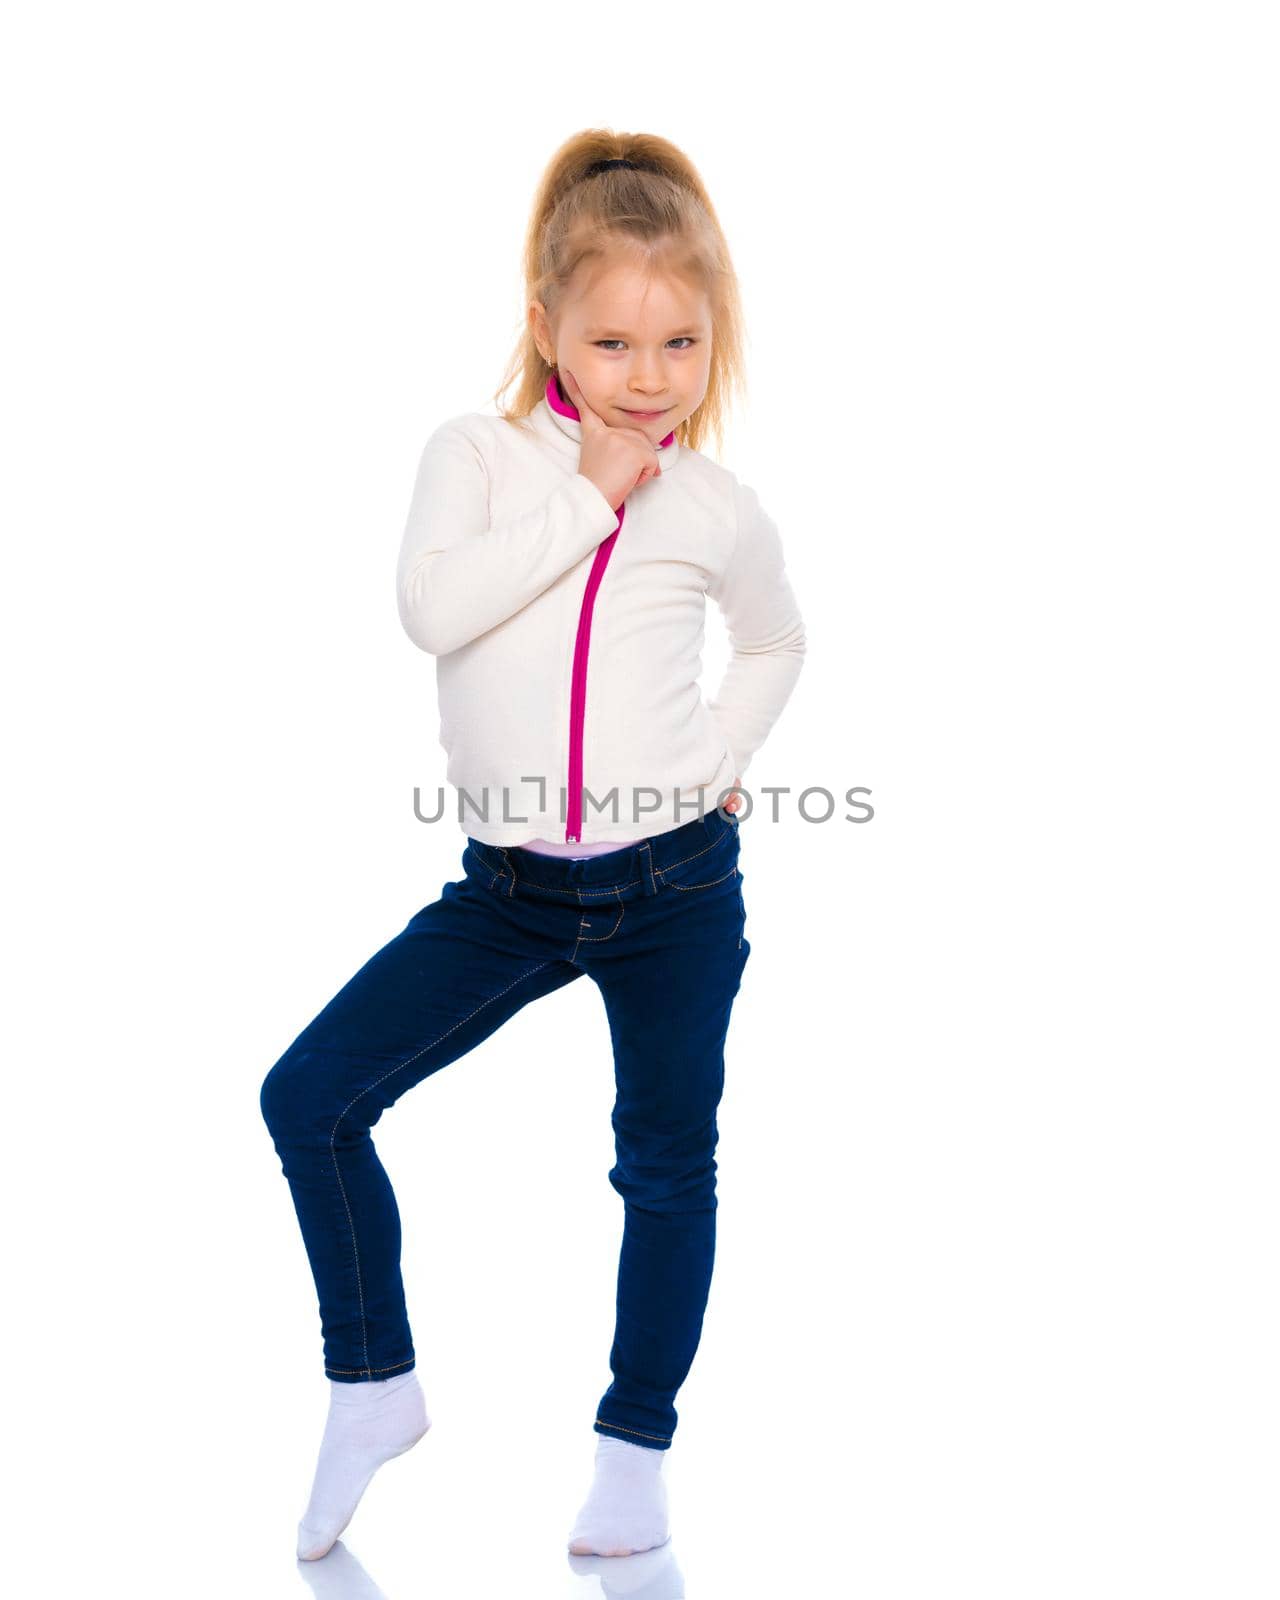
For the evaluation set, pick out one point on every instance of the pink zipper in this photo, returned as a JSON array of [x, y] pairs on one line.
[[582, 643], [578, 694]]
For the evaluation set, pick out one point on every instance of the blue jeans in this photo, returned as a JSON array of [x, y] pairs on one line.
[[659, 926]]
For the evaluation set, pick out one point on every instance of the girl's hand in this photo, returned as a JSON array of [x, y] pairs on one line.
[[734, 802], [616, 460]]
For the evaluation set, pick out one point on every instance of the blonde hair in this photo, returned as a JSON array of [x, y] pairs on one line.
[[661, 211]]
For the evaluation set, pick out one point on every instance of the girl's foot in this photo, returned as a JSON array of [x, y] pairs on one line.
[[626, 1511], [368, 1423]]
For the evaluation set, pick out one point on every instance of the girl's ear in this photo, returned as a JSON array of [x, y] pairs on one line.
[[536, 318]]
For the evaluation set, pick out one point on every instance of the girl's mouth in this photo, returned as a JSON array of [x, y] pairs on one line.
[[644, 416]]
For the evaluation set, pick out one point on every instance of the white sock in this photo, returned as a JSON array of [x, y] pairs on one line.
[[626, 1511], [368, 1423]]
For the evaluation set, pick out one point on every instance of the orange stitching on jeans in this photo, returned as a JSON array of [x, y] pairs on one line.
[[547, 888], [488, 867], [693, 857], [598, 938], [364, 1329], [372, 1369], [688, 888], [636, 1431], [648, 861]]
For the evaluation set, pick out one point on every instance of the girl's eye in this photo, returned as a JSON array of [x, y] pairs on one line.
[[683, 339]]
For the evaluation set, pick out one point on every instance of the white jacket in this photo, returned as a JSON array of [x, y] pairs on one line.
[[568, 637]]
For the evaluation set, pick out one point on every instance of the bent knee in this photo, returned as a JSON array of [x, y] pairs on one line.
[[290, 1097]]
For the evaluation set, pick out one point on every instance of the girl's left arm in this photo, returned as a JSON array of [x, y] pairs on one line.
[[766, 632]]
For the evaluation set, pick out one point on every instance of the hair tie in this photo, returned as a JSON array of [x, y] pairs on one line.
[[616, 161]]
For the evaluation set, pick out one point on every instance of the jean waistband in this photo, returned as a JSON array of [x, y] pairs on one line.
[[627, 874]]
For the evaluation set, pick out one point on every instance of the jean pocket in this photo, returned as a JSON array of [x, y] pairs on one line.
[[705, 866]]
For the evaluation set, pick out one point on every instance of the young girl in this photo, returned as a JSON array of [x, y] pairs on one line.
[[556, 561]]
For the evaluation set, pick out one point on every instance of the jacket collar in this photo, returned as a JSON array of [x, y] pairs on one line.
[[558, 421]]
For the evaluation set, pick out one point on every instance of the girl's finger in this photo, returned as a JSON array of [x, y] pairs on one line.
[[588, 417]]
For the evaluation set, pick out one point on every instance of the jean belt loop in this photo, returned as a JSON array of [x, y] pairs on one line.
[[646, 862], [508, 871]]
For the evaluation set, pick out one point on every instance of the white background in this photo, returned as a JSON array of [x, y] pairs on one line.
[[995, 1309]]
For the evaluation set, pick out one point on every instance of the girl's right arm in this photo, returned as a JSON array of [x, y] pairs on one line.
[[457, 577]]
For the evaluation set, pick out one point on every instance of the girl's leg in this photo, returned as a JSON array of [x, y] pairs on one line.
[[668, 992], [668, 989], [455, 974]]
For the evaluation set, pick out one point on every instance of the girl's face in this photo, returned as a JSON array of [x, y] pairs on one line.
[[636, 341]]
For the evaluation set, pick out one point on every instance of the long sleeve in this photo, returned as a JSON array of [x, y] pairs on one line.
[[766, 632], [457, 577]]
